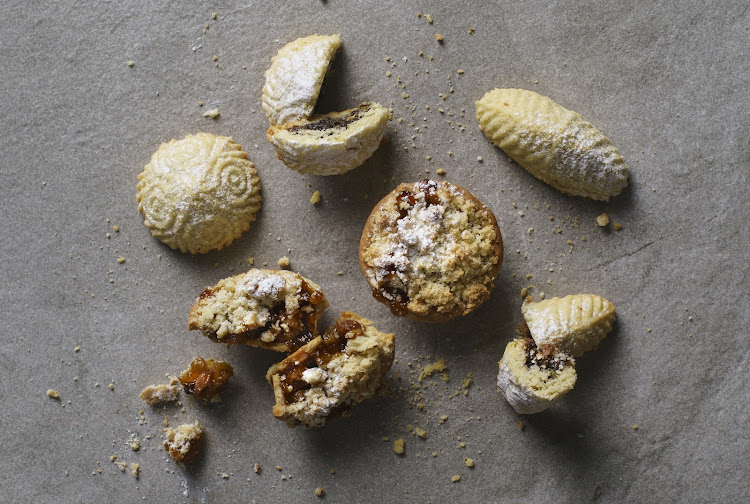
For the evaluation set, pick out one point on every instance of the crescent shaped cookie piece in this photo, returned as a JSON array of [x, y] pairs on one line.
[[199, 193], [330, 144], [575, 323], [554, 144], [534, 378], [273, 309], [293, 82], [327, 377]]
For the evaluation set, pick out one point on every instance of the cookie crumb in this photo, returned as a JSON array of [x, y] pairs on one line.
[[439, 38], [429, 19], [430, 369], [603, 219], [635, 426], [521, 425], [53, 394], [460, 71], [421, 432], [135, 445], [471, 30], [250, 261], [135, 469], [116, 228], [213, 15], [456, 478], [320, 491], [617, 226], [469, 462], [213, 113], [315, 198], [388, 73], [284, 262], [440, 171], [480, 158], [120, 259], [257, 468], [398, 446], [131, 63]]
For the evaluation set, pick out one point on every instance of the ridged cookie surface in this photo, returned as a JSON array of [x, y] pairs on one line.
[[554, 144], [296, 74]]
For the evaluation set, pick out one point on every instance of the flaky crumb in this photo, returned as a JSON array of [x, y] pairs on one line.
[[284, 262], [213, 113], [135, 445], [155, 394], [439, 37], [603, 219], [120, 260], [420, 432], [429, 19], [469, 462], [135, 469], [320, 491], [398, 446], [471, 30], [315, 198], [257, 468], [456, 478], [430, 369], [53, 394], [131, 63]]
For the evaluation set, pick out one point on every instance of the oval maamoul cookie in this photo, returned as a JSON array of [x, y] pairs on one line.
[[554, 144], [574, 324], [199, 193], [431, 251], [296, 74], [330, 144], [273, 309], [534, 378], [331, 374]]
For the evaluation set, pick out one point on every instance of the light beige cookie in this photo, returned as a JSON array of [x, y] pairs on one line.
[[293, 82], [331, 374], [330, 144], [554, 144], [273, 309], [534, 378], [574, 324], [198, 194], [184, 443], [431, 251]]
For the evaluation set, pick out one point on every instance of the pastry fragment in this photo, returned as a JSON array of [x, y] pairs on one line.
[[155, 394], [296, 74], [206, 379], [331, 374], [431, 251], [534, 378], [199, 193], [272, 309], [184, 443], [330, 144], [574, 324], [554, 144]]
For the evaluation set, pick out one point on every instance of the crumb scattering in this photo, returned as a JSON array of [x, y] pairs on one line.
[[430, 369]]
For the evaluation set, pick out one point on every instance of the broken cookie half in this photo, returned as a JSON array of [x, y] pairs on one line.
[[330, 144], [273, 309], [328, 376]]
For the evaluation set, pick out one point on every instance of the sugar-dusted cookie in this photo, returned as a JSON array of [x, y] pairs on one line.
[[575, 324], [198, 194], [296, 74], [431, 250], [331, 374], [534, 378], [330, 144], [554, 144], [273, 309]]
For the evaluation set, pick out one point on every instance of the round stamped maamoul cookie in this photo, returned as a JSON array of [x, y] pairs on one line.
[[330, 144], [431, 251], [199, 193], [293, 82]]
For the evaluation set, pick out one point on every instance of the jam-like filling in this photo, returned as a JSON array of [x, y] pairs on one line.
[[326, 123], [206, 379], [543, 356], [334, 342]]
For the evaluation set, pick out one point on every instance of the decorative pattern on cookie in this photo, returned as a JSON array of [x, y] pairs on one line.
[[431, 251], [330, 144], [198, 194], [575, 324], [554, 144], [273, 309], [331, 374], [534, 378], [293, 82]]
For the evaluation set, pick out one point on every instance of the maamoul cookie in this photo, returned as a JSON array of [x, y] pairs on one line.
[[183, 444], [273, 309], [198, 194], [206, 379], [534, 378], [293, 82], [430, 250], [575, 324], [331, 374], [330, 144], [554, 144]]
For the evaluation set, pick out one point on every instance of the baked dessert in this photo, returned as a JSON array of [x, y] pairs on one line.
[[532, 378], [155, 394], [574, 324], [273, 309], [184, 443], [554, 144], [296, 74], [198, 194], [328, 376], [330, 144], [431, 251], [206, 379]]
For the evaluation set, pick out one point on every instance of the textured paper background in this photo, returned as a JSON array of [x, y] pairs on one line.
[[666, 81]]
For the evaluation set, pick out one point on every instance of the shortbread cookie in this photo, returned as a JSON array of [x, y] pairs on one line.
[[293, 82], [575, 324], [534, 378], [206, 379], [273, 309], [554, 144], [327, 377], [183, 444], [330, 144], [431, 251], [198, 194]]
